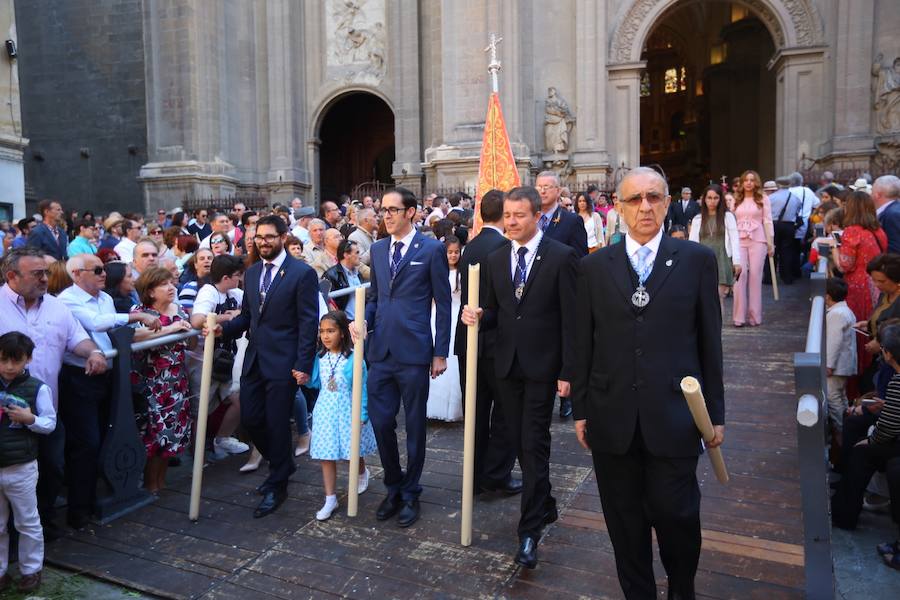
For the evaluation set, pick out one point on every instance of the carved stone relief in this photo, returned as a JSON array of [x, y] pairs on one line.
[[356, 40], [886, 94], [558, 122]]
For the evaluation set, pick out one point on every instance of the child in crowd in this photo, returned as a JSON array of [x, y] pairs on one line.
[[678, 232], [26, 410], [840, 353], [333, 375]]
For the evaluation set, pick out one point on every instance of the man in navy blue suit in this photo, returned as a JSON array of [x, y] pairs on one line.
[[563, 226], [886, 195], [280, 314], [48, 236], [409, 272]]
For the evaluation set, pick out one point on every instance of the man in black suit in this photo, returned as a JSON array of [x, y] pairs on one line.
[[683, 211], [494, 456], [649, 315], [48, 235], [564, 226], [529, 293], [280, 314]]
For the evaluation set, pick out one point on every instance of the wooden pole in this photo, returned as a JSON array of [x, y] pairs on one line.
[[203, 402], [772, 269], [359, 314], [690, 387], [468, 493]]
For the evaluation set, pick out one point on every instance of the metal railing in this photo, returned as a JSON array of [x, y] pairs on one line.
[[812, 420], [122, 455]]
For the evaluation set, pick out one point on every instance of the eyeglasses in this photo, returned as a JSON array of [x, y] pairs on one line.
[[133, 227], [653, 198], [156, 232], [98, 271], [266, 238], [542, 188], [217, 241], [37, 274], [160, 212], [391, 210]]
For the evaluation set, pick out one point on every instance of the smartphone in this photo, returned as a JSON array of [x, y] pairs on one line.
[[837, 237], [869, 401]]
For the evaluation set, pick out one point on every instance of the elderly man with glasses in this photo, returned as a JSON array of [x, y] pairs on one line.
[[28, 308], [85, 396]]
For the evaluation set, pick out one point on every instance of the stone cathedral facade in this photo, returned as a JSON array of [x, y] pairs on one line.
[[284, 98]]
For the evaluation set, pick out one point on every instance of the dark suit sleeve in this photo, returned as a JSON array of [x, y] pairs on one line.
[[709, 319], [372, 294], [584, 346], [487, 297], [578, 240], [567, 280], [241, 323], [440, 289], [307, 320]]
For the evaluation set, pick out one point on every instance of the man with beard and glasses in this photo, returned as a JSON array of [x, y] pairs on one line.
[[280, 315]]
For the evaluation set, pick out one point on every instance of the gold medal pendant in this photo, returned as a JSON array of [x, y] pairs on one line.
[[640, 298], [520, 291]]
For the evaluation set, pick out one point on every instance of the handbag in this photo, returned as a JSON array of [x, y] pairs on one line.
[[799, 220], [223, 354], [617, 235]]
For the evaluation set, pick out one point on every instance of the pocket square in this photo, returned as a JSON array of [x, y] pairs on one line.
[[415, 263]]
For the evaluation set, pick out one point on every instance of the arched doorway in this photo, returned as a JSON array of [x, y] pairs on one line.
[[707, 96], [356, 144]]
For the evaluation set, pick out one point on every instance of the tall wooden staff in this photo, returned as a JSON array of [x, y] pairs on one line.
[[200, 438], [468, 493], [359, 315], [769, 240], [690, 387]]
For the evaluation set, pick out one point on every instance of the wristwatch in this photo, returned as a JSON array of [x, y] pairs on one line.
[[98, 351]]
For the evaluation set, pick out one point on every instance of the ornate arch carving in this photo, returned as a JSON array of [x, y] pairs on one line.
[[792, 23]]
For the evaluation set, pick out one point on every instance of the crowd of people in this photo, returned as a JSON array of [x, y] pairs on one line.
[[284, 349]]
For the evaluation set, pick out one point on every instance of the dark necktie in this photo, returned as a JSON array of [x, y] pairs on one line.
[[544, 222], [267, 280], [396, 258], [521, 273]]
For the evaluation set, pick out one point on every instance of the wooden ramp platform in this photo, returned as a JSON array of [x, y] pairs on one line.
[[752, 528]]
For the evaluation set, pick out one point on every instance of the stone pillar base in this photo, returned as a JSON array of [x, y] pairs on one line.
[[452, 168], [170, 185], [283, 192]]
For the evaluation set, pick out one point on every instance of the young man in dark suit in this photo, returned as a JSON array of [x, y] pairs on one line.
[[494, 456], [529, 292], [649, 315], [683, 211], [409, 272], [563, 226], [280, 314], [48, 235]]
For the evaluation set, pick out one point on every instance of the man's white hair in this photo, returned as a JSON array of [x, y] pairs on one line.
[[642, 171], [552, 174], [74, 264], [889, 185]]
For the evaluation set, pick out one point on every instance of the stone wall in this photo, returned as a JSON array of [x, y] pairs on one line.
[[81, 66], [12, 144]]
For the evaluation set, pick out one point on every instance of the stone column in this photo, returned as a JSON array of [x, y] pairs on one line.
[[623, 114], [403, 17], [12, 144], [853, 77], [798, 106], [589, 157]]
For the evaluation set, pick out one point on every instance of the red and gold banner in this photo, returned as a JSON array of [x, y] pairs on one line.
[[497, 166]]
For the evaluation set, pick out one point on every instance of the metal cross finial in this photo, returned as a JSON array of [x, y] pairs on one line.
[[494, 66]]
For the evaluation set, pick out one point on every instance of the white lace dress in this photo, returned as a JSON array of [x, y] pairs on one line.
[[444, 393]]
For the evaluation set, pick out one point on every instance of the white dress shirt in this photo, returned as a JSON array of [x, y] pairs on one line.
[[277, 261], [631, 248], [532, 246], [125, 250], [407, 242], [96, 314]]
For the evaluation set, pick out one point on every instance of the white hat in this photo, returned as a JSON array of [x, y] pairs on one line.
[[861, 185], [770, 186]]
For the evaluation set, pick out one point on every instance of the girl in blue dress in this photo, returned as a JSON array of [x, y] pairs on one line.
[[333, 375]]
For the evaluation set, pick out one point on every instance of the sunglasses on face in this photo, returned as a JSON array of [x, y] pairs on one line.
[[98, 271]]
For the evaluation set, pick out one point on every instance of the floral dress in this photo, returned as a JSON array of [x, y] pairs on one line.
[[166, 426]]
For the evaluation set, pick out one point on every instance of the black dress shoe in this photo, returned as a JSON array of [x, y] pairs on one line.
[[262, 488], [52, 532], [681, 593], [389, 507], [527, 554], [565, 408], [510, 487], [409, 514], [272, 499], [77, 521], [551, 516]]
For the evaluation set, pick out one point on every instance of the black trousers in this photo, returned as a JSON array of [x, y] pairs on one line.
[[84, 410], [495, 456], [864, 461], [892, 472], [787, 251], [266, 409], [528, 411], [51, 464], [855, 428], [638, 492]]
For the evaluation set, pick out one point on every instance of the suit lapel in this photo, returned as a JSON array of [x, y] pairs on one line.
[[277, 278], [665, 263], [621, 272], [411, 252], [535, 267], [554, 220]]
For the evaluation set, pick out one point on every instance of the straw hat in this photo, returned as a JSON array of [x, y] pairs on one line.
[[861, 185]]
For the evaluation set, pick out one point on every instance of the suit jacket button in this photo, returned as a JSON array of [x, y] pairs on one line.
[[634, 386], [640, 319], [638, 352], [518, 317]]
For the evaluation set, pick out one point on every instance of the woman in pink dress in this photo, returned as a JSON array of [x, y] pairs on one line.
[[862, 240], [754, 224]]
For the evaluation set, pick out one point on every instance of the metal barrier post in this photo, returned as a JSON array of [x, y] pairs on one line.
[[122, 455], [810, 384]]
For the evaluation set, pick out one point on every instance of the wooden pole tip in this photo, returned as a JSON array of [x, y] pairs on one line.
[[690, 385]]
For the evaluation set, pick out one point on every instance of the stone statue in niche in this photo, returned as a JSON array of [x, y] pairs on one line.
[[558, 122], [356, 38], [887, 94]]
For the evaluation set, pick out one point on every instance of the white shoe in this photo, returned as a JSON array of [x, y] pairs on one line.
[[230, 445], [363, 481], [302, 445], [253, 462], [327, 509]]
